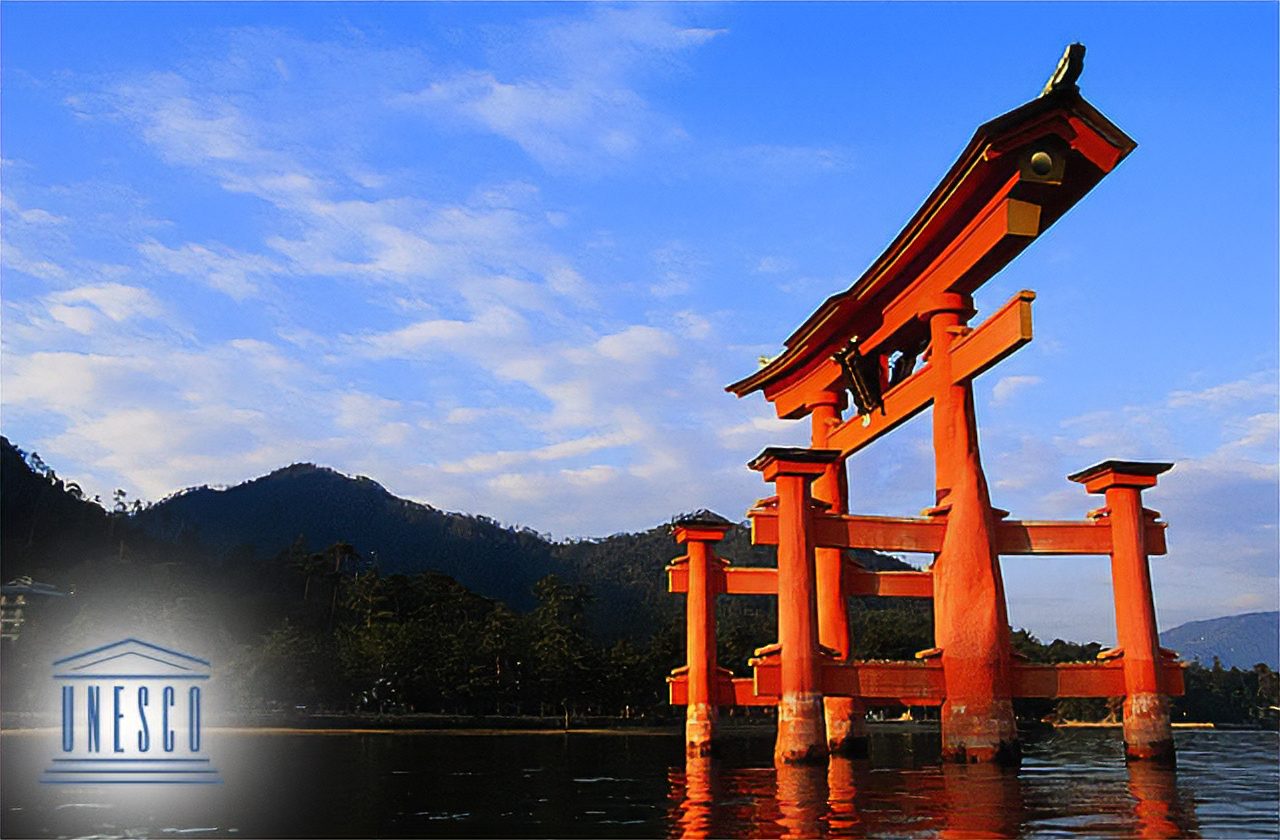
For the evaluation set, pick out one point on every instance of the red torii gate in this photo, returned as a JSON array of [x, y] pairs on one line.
[[1018, 175]]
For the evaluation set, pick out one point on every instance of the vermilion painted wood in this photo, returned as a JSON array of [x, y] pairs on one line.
[[970, 617], [921, 683], [736, 580], [702, 570], [995, 339], [801, 719], [924, 535], [1148, 733], [845, 716]]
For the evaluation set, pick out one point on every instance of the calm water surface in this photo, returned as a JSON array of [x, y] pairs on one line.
[[1071, 784]]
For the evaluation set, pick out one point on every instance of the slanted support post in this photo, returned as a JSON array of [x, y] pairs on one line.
[[802, 733], [699, 536], [971, 621], [1147, 731], [845, 716]]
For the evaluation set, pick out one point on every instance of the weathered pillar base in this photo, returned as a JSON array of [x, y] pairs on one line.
[[846, 727], [980, 732], [802, 730], [1148, 735], [699, 729]]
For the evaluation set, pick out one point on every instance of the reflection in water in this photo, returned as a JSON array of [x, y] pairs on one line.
[[842, 795], [802, 799], [864, 798], [693, 813], [982, 800], [1158, 809]]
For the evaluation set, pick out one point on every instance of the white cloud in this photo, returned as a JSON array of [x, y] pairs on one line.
[[1007, 386], [36, 216], [81, 308], [564, 450], [494, 325], [235, 274], [635, 344], [768, 161], [774, 265], [570, 101], [1258, 386]]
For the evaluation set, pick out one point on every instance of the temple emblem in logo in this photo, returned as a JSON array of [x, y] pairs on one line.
[[131, 714]]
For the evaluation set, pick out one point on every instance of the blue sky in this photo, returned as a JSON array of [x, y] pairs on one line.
[[504, 258]]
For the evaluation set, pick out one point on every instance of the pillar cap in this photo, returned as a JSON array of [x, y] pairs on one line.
[[793, 460], [702, 519], [700, 525], [947, 302], [1113, 473]]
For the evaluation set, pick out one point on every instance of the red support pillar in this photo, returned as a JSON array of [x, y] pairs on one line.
[[801, 727], [971, 622], [700, 625], [1147, 730], [845, 716]]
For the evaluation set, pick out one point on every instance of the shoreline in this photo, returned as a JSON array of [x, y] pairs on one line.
[[448, 725]]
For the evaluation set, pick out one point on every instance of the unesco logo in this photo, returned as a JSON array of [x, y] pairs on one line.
[[131, 714]]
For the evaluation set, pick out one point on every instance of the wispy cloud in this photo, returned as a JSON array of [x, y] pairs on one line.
[[571, 101]]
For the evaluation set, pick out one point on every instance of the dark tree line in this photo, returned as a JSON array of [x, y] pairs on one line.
[[353, 639]]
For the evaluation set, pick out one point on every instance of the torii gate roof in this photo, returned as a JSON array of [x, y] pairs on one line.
[[1061, 118]]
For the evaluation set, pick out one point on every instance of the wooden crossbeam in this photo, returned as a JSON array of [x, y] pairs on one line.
[[735, 580], [729, 691], [922, 683], [859, 582], [1013, 537], [993, 340]]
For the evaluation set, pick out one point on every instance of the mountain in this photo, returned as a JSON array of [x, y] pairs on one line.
[[1238, 641], [259, 518]]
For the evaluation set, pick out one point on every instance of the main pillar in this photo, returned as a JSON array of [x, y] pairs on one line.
[[801, 727], [698, 536], [971, 622], [1147, 730], [845, 716]]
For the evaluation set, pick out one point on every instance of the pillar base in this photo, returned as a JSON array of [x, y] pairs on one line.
[[802, 730], [980, 732], [846, 727], [699, 729], [1148, 735]]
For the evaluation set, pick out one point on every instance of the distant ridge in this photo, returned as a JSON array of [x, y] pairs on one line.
[[263, 516], [1238, 641]]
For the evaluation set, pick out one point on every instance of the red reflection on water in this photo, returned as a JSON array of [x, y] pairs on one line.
[[848, 798], [692, 790], [1158, 808], [981, 800], [842, 796], [802, 800]]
